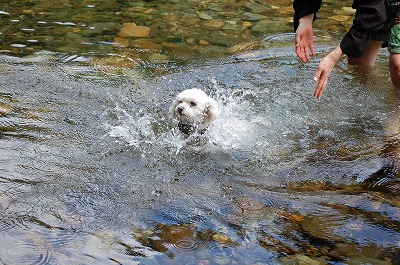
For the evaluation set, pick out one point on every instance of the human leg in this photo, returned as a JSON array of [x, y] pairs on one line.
[[394, 58], [394, 67], [370, 54]]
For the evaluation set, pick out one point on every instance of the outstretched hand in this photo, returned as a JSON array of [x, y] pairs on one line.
[[324, 70], [305, 38]]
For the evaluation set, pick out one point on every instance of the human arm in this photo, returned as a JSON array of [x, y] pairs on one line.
[[303, 18], [324, 70], [303, 8], [369, 18], [305, 38]]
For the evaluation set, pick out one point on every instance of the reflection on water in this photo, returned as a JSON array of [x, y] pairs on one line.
[[94, 171]]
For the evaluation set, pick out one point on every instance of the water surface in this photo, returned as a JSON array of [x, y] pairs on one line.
[[93, 170]]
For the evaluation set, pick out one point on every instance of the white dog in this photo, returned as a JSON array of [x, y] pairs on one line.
[[194, 110]]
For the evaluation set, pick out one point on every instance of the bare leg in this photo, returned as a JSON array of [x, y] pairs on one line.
[[394, 67], [370, 54]]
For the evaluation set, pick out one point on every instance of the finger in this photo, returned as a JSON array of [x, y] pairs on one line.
[[317, 79], [297, 39], [298, 52], [307, 54], [312, 49], [304, 54], [317, 75], [321, 86], [301, 54], [322, 90], [319, 90]]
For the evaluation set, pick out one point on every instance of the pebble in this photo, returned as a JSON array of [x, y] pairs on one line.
[[301, 260], [132, 30], [205, 16], [193, 24]]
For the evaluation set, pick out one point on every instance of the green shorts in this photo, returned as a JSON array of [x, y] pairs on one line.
[[390, 33], [394, 39]]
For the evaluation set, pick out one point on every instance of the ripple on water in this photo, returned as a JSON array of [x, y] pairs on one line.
[[280, 38], [183, 214], [222, 254], [186, 244], [231, 213], [26, 253]]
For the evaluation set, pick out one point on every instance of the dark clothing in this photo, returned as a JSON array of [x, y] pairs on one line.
[[303, 8], [369, 19]]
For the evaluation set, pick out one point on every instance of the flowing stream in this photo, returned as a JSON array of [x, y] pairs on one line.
[[94, 171]]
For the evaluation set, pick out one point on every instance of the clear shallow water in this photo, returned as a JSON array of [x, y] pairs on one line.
[[93, 171]]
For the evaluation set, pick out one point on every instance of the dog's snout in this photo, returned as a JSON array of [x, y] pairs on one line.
[[180, 110]]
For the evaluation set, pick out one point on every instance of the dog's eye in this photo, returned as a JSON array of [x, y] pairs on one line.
[[192, 104]]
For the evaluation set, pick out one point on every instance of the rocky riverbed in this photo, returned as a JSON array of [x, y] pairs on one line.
[[156, 31]]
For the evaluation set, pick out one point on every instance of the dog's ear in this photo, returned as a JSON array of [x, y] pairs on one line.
[[211, 110], [173, 107]]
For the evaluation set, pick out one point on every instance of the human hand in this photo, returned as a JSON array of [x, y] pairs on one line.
[[324, 70], [305, 38]]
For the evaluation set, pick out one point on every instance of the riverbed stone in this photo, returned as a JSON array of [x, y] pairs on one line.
[[213, 24], [217, 38], [132, 30], [158, 58], [256, 7], [346, 10], [121, 42], [98, 28], [266, 26], [205, 16], [145, 45], [253, 17], [368, 254], [204, 42], [319, 227], [340, 18], [301, 260]]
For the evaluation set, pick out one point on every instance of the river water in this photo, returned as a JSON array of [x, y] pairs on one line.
[[93, 171]]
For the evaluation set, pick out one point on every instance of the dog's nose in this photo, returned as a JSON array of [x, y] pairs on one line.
[[180, 110]]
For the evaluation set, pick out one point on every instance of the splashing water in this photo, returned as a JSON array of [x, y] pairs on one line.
[[235, 129]]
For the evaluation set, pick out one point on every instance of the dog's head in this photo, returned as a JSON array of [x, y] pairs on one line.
[[194, 109]]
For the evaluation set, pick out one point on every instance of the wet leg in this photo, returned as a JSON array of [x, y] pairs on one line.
[[370, 54], [394, 67]]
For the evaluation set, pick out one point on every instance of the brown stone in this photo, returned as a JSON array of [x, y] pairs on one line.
[[121, 42], [213, 23], [145, 45], [132, 30], [204, 42]]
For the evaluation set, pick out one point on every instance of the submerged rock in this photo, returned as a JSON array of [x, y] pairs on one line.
[[205, 16], [321, 229], [5, 109], [132, 30], [301, 260]]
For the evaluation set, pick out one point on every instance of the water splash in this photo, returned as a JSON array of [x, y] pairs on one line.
[[133, 130], [235, 129]]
